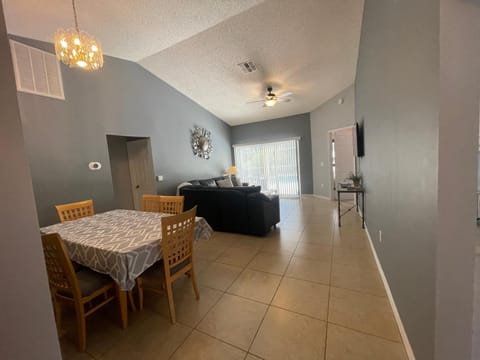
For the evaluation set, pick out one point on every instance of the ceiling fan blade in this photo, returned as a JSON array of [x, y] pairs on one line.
[[284, 100], [285, 94], [255, 101]]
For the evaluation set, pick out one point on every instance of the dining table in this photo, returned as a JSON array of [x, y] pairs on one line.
[[119, 243]]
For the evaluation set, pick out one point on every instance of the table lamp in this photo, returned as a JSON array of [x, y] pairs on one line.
[[232, 170]]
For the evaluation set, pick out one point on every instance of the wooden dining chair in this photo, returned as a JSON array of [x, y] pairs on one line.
[[177, 252], [163, 203], [86, 290], [151, 203], [76, 210], [171, 204]]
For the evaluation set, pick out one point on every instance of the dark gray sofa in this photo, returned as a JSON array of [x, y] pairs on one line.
[[239, 209]]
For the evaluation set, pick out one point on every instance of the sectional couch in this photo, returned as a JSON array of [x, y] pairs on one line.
[[238, 209]]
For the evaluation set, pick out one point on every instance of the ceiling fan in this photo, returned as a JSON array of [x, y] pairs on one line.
[[271, 99]]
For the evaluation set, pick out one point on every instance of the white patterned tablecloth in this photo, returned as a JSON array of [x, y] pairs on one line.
[[120, 243]]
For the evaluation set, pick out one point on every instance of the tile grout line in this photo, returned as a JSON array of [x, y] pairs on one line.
[[269, 305], [365, 293], [360, 292], [366, 333], [276, 306], [195, 328], [393, 307], [221, 340], [297, 278], [282, 276], [220, 297], [181, 344], [273, 297], [329, 292]]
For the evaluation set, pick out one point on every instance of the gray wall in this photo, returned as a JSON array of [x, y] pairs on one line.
[[291, 126], [330, 115], [27, 325], [457, 183], [478, 171], [122, 98], [396, 95]]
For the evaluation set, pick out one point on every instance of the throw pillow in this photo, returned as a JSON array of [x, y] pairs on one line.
[[209, 182], [225, 183], [236, 181]]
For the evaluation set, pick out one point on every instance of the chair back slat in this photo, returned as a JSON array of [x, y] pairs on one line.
[[177, 237], [61, 275], [76, 210], [163, 203], [171, 204]]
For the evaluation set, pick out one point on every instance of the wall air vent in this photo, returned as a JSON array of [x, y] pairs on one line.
[[248, 66], [36, 71]]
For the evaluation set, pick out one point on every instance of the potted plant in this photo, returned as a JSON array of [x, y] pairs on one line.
[[356, 179]]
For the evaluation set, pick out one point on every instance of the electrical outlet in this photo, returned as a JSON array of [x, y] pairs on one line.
[[159, 178], [322, 185], [380, 235]]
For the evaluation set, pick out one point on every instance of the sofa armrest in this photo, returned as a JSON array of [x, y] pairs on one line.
[[263, 212]]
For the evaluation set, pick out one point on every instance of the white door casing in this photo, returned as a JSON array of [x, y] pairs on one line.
[[344, 157]]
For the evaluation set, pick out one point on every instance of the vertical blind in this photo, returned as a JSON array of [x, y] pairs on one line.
[[274, 166]]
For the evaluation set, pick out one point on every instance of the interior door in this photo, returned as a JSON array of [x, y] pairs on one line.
[[344, 158], [142, 175]]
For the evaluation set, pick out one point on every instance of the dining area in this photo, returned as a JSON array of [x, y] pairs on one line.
[[93, 259]]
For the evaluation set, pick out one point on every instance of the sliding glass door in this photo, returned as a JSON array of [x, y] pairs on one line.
[[273, 165]]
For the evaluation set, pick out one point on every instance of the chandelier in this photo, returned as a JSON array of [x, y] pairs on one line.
[[76, 48]]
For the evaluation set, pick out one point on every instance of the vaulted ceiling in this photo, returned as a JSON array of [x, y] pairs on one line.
[[309, 47]]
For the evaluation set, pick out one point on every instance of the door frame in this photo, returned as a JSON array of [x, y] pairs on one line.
[[137, 203], [330, 137]]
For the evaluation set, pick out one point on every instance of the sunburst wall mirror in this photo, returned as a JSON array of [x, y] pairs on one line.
[[201, 143]]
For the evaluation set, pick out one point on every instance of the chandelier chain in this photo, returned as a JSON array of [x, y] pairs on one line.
[[75, 15]]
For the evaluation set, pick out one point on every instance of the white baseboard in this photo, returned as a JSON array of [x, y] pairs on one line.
[[396, 314]]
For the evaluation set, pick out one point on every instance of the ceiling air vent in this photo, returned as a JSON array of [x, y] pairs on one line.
[[248, 66], [36, 71]]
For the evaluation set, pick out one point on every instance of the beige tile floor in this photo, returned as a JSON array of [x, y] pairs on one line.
[[308, 290]]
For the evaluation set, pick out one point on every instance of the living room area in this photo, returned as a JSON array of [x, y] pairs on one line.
[[237, 108]]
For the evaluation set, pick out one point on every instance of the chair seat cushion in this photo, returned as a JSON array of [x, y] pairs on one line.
[[89, 281]]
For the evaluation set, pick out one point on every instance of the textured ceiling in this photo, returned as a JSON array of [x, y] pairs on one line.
[[128, 29], [309, 47]]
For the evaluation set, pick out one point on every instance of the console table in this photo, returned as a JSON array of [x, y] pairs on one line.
[[355, 191]]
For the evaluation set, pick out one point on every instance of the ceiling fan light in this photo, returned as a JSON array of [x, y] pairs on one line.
[[270, 102], [270, 99]]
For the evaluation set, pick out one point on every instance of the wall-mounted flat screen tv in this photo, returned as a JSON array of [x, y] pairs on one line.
[[360, 139]]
